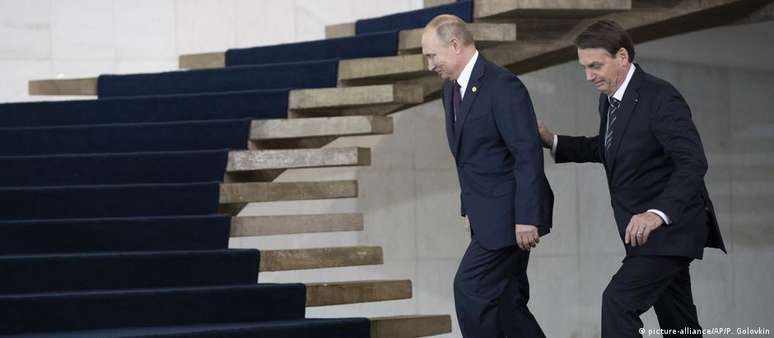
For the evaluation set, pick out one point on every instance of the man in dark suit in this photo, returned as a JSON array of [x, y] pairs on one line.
[[492, 133], [655, 167]]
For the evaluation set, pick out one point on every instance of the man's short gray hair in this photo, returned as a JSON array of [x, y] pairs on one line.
[[448, 27]]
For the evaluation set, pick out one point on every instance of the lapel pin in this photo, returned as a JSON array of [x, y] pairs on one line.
[[474, 89]]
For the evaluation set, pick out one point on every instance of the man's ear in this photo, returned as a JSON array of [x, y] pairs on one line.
[[455, 45], [622, 55]]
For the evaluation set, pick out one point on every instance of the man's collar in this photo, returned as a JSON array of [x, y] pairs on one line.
[[618, 95], [464, 77]]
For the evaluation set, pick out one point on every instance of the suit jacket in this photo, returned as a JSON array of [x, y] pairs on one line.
[[656, 161], [498, 155]]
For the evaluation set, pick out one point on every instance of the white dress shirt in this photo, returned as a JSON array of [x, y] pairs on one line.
[[464, 77], [618, 95]]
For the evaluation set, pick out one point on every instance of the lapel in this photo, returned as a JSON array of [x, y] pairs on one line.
[[447, 106], [628, 104], [467, 101], [603, 105]]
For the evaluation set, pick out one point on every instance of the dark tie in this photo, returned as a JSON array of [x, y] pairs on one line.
[[615, 104], [456, 100]]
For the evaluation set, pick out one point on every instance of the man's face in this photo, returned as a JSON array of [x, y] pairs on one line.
[[607, 72], [442, 58]]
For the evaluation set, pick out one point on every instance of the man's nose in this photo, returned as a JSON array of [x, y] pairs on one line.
[[589, 75], [430, 66]]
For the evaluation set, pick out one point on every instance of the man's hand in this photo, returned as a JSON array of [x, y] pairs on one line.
[[467, 223], [526, 236], [546, 135], [640, 227]]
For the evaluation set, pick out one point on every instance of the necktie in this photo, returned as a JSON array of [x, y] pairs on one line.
[[615, 104], [456, 99]]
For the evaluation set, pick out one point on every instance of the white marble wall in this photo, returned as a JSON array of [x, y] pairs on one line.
[[409, 193]]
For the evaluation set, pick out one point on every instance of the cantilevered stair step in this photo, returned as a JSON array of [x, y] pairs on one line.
[[484, 33], [248, 160], [330, 99], [286, 191], [337, 293], [82, 86], [410, 326], [511, 9], [643, 24], [410, 40], [202, 60], [381, 70], [281, 129], [246, 226], [433, 3], [317, 258]]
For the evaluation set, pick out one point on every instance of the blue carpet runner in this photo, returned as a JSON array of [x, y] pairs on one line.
[[306, 74], [255, 104], [362, 46], [113, 168], [300, 328], [94, 201], [127, 137], [126, 270], [116, 234], [414, 19], [67, 311]]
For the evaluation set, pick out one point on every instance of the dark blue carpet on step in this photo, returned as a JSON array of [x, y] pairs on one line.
[[91, 201], [127, 270], [199, 232], [113, 168], [121, 138], [369, 45], [307, 74], [255, 104], [413, 19], [299, 328], [27, 313]]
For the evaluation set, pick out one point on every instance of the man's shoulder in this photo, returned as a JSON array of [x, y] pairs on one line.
[[501, 76], [651, 84]]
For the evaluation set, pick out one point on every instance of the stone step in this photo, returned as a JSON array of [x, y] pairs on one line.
[[337, 293], [318, 258], [202, 60], [408, 42], [367, 71], [433, 3], [82, 86], [646, 21], [485, 34], [250, 160], [283, 129], [514, 9], [234, 193], [340, 30], [247, 226], [410, 326], [331, 99]]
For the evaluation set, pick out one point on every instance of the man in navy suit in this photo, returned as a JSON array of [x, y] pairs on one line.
[[655, 167], [492, 133]]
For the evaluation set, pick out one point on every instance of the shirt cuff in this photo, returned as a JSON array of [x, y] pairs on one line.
[[660, 214], [553, 146]]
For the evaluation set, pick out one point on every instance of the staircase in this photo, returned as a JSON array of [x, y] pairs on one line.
[[117, 212]]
